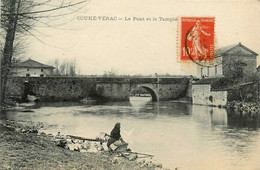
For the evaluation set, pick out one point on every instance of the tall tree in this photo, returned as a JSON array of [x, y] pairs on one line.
[[19, 16], [65, 67], [234, 66]]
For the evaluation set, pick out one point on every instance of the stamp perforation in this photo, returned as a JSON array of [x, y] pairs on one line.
[[201, 54]]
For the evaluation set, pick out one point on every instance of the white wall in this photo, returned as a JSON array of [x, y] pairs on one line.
[[211, 71], [34, 72], [217, 116], [201, 95]]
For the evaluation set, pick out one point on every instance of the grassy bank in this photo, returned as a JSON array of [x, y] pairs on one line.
[[28, 149]]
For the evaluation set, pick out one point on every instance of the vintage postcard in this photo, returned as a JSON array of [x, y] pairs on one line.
[[140, 84]]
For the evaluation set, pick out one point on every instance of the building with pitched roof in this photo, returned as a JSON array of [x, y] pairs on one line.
[[229, 58], [32, 68], [215, 87]]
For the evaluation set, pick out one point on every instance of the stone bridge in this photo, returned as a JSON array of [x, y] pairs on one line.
[[159, 88], [76, 88]]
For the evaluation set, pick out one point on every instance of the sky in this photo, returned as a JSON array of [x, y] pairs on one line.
[[140, 47]]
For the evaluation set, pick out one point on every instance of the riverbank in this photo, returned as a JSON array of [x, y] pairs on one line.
[[245, 106], [185, 99], [23, 147]]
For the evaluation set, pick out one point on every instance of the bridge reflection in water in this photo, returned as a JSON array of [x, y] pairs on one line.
[[180, 135], [226, 138], [226, 117], [207, 115], [242, 119]]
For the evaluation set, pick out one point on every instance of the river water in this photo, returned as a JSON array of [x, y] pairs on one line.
[[179, 135]]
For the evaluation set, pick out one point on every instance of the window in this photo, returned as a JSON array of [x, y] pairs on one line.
[[208, 70], [42, 70], [201, 71], [211, 98], [27, 75], [28, 69], [41, 75], [216, 69]]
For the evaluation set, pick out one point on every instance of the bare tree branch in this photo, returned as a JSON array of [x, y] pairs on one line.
[[49, 10], [18, 19]]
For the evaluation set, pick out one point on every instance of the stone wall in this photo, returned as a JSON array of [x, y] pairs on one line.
[[172, 91], [159, 88], [189, 90], [212, 70], [76, 88], [114, 91], [202, 94], [53, 88], [173, 88]]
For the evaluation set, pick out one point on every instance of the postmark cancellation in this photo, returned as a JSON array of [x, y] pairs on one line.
[[196, 40]]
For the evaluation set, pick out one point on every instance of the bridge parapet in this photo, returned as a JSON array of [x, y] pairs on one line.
[[112, 80], [174, 80], [110, 88], [143, 80], [183, 80]]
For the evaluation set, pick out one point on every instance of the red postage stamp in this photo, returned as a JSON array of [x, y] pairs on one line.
[[196, 38]]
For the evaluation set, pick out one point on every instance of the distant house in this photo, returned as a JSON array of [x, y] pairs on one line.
[[227, 58], [31, 68], [213, 88], [216, 91]]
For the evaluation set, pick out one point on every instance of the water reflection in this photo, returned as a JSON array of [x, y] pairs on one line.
[[242, 119], [211, 116], [181, 135]]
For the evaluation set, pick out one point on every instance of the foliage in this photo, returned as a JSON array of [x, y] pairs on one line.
[[19, 17], [251, 78], [111, 73], [65, 67], [247, 92], [234, 67]]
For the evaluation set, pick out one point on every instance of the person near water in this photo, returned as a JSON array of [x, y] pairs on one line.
[[115, 136]]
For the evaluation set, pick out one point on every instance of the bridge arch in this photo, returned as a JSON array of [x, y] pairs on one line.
[[150, 90]]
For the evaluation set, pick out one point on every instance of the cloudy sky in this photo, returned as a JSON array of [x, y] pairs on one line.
[[141, 47]]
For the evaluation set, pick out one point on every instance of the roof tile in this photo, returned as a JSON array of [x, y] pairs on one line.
[[33, 64]]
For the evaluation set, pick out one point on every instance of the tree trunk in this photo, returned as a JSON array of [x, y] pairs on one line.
[[8, 48]]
